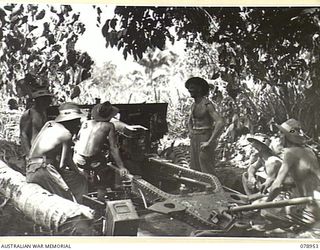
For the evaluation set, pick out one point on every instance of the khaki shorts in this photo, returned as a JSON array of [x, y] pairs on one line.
[[40, 172]]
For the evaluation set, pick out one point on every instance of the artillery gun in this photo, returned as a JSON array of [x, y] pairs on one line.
[[155, 183]]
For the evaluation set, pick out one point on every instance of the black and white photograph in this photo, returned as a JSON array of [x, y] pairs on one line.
[[159, 121]]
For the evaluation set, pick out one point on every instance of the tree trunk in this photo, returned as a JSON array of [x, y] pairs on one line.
[[45, 209]]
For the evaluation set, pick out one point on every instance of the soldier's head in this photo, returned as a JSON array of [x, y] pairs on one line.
[[103, 112], [42, 98], [13, 104], [197, 87], [70, 116], [291, 132]]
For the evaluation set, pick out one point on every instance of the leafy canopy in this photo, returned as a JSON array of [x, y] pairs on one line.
[[37, 48], [268, 43]]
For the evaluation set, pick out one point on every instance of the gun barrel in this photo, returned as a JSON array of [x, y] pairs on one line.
[[272, 204]]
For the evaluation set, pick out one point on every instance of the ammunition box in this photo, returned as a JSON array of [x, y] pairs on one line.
[[121, 218]]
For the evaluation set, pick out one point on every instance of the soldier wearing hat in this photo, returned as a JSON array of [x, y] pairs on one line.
[[299, 161], [90, 148], [262, 157], [51, 153], [205, 125], [34, 118]]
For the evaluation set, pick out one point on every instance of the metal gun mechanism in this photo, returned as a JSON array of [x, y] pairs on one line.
[[200, 209]]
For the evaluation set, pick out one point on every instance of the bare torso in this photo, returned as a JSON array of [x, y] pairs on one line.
[[49, 140], [302, 165], [304, 169], [92, 137], [31, 123], [38, 120], [200, 116]]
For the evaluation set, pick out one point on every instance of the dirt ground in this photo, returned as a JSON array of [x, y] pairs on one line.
[[13, 222]]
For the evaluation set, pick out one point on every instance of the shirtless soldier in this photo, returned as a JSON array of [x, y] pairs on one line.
[[54, 142], [299, 161], [34, 118], [89, 149], [205, 125], [301, 164]]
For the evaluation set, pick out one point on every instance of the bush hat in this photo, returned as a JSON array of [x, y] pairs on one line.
[[259, 142], [263, 138], [40, 93], [199, 82], [103, 112], [292, 131], [69, 111]]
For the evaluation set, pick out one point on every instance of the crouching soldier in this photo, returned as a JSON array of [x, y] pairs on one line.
[[51, 152], [299, 161], [91, 146], [301, 164]]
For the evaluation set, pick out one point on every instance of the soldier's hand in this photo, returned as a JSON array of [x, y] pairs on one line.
[[252, 182], [123, 172], [88, 176], [264, 187], [204, 145]]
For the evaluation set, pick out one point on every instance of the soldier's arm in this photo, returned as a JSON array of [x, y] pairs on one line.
[[25, 132], [66, 158], [66, 152], [272, 166], [114, 148], [282, 174], [219, 123], [253, 168], [115, 151], [190, 125]]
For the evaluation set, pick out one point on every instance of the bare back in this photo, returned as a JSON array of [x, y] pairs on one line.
[[92, 136], [302, 164], [50, 140], [31, 123], [38, 120]]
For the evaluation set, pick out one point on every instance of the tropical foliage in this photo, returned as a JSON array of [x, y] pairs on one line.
[[37, 49], [265, 60], [277, 47]]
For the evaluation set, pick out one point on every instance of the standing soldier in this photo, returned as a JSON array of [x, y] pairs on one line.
[[34, 118], [205, 125]]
